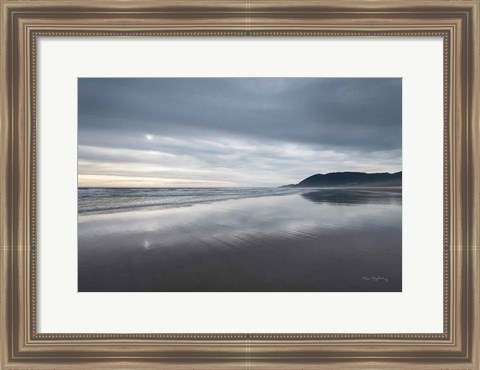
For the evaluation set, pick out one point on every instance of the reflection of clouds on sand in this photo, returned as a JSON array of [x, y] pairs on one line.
[[244, 222], [355, 196], [275, 243], [147, 244]]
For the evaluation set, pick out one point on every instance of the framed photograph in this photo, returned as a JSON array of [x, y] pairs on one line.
[[240, 184], [194, 196]]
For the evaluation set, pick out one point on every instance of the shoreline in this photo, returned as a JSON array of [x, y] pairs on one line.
[[161, 205]]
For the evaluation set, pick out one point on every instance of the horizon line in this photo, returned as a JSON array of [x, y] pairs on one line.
[[228, 187]]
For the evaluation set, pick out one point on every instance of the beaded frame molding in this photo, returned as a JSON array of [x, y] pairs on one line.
[[23, 22]]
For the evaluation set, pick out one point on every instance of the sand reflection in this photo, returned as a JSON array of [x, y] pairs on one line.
[[301, 242]]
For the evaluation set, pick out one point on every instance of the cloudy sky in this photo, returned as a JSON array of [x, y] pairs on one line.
[[235, 131]]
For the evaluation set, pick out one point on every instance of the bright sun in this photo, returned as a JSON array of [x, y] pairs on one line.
[[149, 137]]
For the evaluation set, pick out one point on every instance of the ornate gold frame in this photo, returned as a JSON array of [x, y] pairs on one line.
[[23, 21]]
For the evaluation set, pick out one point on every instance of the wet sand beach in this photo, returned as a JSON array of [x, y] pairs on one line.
[[309, 241]]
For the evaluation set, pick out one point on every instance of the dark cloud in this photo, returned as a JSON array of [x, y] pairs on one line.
[[264, 123]]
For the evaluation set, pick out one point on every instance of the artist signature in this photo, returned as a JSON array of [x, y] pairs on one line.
[[376, 279]]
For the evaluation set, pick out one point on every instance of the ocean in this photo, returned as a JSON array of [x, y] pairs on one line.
[[105, 200]]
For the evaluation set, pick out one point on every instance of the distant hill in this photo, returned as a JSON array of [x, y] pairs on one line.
[[351, 179]]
